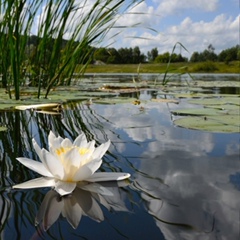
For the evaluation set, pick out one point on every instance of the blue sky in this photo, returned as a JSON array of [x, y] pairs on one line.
[[195, 24]]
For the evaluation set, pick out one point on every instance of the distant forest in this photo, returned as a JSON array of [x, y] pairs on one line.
[[134, 55]]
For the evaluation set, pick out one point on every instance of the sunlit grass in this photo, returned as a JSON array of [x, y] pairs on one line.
[[232, 67]]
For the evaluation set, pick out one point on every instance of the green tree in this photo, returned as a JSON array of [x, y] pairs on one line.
[[151, 55], [162, 58], [229, 54], [101, 54], [126, 55], [136, 58], [114, 56], [195, 57]]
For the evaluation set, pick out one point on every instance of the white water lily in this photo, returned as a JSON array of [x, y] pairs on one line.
[[67, 163]]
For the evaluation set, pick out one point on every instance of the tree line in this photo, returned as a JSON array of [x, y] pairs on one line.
[[227, 55], [135, 56]]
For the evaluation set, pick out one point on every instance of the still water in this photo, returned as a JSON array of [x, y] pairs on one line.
[[184, 184]]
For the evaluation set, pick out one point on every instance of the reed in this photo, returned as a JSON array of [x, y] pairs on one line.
[[52, 60], [179, 71]]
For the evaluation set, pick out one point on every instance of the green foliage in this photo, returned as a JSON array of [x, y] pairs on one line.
[[162, 58], [152, 55], [206, 67], [227, 55], [49, 58], [180, 71], [159, 68], [120, 56]]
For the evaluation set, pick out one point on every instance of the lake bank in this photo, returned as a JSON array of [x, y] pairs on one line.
[[204, 67]]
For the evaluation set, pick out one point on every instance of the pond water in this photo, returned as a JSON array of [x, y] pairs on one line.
[[185, 184]]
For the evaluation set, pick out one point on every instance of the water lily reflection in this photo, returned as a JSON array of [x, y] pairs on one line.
[[85, 200], [67, 163]]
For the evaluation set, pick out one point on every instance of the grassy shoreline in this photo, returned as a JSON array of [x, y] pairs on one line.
[[204, 67]]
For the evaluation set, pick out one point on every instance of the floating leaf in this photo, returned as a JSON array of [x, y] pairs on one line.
[[216, 101], [227, 119], [116, 100], [3, 129], [46, 106], [223, 124], [165, 100], [224, 107], [198, 111], [189, 95]]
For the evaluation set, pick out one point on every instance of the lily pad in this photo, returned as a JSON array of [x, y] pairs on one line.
[[165, 100], [189, 95], [223, 124], [198, 111], [116, 100], [3, 129], [46, 106], [216, 101], [224, 107]]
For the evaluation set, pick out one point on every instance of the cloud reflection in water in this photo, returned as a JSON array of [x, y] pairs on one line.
[[191, 197]]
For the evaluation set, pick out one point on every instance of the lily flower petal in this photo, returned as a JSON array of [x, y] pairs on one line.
[[66, 143], [101, 150], [64, 188], [37, 149], [35, 166], [36, 183], [54, 141], [87, 170], [52, 164], [72, 158], [80, 141], [107, 176]]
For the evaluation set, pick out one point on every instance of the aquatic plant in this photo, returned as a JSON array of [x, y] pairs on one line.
[[180, 71], [64, 34], [67, 164]]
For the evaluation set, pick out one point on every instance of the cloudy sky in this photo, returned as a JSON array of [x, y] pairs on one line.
[[195, 24]]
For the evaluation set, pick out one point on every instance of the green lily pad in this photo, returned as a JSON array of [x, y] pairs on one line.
[[165, 100], [116, 100], [216, 101], [227, 119], [224, 107], [223, 124], [189, 95], [198, 111], [3, 129], [217, 83]]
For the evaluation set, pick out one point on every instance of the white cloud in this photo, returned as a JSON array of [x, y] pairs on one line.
[[195, 24], [167, 7], [221, 32], [175, 22]]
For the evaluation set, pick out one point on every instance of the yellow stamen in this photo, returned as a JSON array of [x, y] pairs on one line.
[[62, 150]]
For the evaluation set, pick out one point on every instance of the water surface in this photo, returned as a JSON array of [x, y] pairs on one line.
[[185, 184]]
